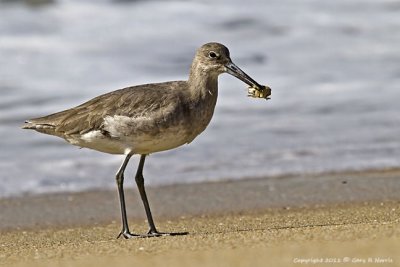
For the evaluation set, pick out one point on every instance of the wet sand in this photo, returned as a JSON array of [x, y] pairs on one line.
[[348, 219]]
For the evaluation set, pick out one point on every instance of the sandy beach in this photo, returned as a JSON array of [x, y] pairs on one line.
[[348, 219]]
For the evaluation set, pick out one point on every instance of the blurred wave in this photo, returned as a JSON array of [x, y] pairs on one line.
[[334, 68]]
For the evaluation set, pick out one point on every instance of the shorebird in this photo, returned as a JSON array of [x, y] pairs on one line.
[[145, 119]]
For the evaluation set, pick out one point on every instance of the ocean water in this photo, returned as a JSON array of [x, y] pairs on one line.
[[334, 69]]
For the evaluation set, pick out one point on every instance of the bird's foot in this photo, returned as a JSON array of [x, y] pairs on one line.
[[155, 233], [127, 235], [151, 233]]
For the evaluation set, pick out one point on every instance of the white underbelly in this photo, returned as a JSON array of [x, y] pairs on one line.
[[139, 144], [164, 141]]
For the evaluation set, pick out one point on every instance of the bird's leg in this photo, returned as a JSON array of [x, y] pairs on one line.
[[140, 184], [120, 183]]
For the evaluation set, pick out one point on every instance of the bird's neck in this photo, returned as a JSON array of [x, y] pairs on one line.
[[202, 84]]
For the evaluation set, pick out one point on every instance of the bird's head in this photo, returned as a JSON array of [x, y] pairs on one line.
[[214, 59]]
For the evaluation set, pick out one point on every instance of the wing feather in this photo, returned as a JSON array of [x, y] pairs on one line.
[[136, 101]]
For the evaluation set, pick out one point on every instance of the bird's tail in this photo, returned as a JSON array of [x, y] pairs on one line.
[[40, 126]]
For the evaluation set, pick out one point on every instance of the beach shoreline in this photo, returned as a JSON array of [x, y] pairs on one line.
[[197, 199], [284, 221]]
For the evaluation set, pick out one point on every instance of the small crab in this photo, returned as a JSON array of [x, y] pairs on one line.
[[262, 91]]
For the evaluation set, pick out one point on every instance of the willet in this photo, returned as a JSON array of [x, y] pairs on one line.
[[146, 119]]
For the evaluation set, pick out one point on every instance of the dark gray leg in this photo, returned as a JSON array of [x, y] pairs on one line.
[[140, 184], [120, 182]]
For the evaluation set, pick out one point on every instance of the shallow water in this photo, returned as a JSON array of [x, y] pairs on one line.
[[334, 68]]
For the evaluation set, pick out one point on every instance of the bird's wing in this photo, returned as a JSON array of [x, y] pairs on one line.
[[143, 100]]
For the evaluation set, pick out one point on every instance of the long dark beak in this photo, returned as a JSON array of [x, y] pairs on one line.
[[234, 70]]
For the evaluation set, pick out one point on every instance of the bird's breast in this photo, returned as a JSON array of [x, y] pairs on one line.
[[201, 114]]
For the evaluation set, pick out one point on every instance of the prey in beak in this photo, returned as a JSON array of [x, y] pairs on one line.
[[255, 89]]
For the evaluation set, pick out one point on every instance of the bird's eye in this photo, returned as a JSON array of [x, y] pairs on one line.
[[212, 54]]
